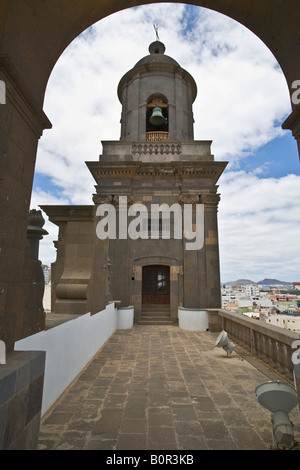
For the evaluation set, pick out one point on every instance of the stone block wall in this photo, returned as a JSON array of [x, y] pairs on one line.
[[21, 391]]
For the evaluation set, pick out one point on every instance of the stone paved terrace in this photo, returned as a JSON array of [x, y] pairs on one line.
[[163, 388]]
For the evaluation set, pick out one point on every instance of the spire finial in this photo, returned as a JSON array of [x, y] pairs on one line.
[[156, 32]]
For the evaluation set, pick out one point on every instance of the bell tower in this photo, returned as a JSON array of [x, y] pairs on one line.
[[157, 97], [156, 163]]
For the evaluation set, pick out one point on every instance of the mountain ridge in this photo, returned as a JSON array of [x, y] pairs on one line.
[[266, 281]]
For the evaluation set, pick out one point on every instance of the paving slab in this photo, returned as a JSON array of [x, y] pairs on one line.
[[163, 388]]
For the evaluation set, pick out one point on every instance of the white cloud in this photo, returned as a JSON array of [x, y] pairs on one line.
[[47, 252], [259, 227], [237, 79]]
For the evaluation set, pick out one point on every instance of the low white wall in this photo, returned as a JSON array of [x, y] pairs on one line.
[[125, 318], [69, 347], [192, 319]]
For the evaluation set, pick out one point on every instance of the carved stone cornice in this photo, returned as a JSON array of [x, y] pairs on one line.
[[58, 214], [156, 170]]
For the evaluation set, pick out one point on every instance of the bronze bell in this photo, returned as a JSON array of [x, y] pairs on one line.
[[157, 118]]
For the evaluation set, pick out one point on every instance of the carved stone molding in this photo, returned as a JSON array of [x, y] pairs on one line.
[[138, 169], [293, 123], [102, 199], [112, 199], [210, 201], [156, 149], [116, 199], [200, 172], [20, 96], [188, 199], [155, 171]]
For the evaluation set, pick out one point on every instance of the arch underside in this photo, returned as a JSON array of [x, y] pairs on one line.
[[35, 36]]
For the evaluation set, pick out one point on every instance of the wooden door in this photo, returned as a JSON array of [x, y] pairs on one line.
[[156, 285]]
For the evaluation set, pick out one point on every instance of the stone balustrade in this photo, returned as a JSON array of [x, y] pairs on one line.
[[271, 344]]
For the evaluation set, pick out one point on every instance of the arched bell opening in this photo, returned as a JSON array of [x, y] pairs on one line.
[[157, 118]]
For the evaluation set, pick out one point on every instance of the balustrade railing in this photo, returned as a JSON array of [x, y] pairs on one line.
[[270, 344], [157, 136]]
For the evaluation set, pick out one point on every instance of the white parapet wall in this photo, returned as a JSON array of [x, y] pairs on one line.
[[192, 319], [125, 318], [69, 347]]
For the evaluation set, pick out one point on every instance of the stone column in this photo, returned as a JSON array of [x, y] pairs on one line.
[[120, 253]]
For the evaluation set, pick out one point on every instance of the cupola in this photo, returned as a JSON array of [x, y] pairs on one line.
[[157, 95]]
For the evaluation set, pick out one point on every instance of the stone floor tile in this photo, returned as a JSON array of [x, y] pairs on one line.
[[162, 388], [131, 441], [161, 437], [191, 442]]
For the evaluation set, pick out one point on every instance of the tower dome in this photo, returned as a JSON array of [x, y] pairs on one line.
[[157, 55], [157, 84]]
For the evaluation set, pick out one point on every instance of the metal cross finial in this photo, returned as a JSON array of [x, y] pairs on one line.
[[156, 31]]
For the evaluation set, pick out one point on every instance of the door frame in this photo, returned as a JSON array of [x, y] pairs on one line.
[[176, 282]]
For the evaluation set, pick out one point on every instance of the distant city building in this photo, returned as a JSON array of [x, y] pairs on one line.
[[263, 302], [252, 290], [283, 297], [289, 319], [268, 305], [245, 302]]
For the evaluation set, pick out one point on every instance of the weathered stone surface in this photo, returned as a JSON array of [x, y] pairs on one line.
[[21, 391], [153, 418]]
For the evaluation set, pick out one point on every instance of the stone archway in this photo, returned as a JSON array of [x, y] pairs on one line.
[[33, 35]]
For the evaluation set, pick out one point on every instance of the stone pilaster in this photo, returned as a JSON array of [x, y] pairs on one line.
[[22, 122], [211, 243], [80, 284], [21, 385]]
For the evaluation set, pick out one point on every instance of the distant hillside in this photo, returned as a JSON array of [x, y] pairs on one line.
[[241, 281], [273, 282], [266, 282]]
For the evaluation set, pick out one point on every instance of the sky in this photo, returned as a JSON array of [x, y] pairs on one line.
[[242, 101]]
